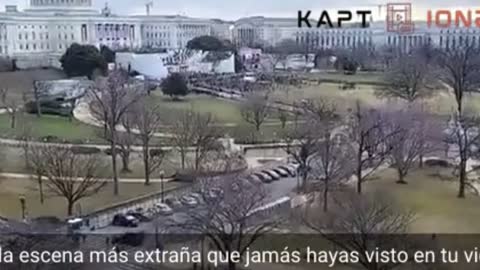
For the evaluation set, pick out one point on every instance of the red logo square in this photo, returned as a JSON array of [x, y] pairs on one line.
[[399, 18]]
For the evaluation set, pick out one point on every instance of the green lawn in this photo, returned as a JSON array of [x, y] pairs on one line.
[[224, 111], [11, 189], [228, 112], [360, 77], [328, 91], [435, 202], [47, 125], [441, 103]]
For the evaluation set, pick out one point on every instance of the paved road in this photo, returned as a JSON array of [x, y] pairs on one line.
[[276, 190]]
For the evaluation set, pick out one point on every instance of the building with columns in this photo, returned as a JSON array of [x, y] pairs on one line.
[[40, 34], [270, 31]]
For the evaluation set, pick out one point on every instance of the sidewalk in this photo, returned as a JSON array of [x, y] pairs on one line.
[[121, 180]]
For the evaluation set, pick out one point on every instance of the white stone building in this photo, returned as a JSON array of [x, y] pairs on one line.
[[270, 31], [39, 35]]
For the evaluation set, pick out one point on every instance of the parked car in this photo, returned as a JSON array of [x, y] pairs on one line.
[[124, 220], [255, 179], [274, 175], [281, 172], [197, 196], [140, 216], [75, 223], [217, 191], [291, 170], [173, 202], [213, 194], [151, 212], [236, 186], [189, 201], [294, 164], [264, 177], [164, 209]]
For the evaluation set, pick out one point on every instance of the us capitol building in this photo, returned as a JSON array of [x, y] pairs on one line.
[[39, 35]]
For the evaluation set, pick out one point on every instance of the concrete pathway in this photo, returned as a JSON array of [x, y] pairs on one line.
[[82, 113], [121, 180], [17, 143]]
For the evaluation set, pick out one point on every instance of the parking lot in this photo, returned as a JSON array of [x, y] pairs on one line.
[[278, 181]]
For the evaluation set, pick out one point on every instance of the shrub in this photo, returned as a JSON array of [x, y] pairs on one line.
[[437, 163], [186, 175], [108, 151], [50, 138], [6, 64], [84, 150], [156, 152]]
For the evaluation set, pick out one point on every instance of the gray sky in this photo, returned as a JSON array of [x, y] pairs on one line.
[[229, 9]]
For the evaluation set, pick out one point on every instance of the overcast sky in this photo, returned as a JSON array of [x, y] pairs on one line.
[[229, 9]]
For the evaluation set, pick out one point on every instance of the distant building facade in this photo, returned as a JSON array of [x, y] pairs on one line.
[[39, 35], [253, 31]]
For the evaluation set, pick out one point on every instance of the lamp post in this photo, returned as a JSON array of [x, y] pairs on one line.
[[162, 186], [298, 182], [23, 205]]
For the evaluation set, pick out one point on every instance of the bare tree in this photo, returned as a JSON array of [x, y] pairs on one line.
[[68, 175], [35, 163], [126, 138], [193, 129], [409, 140], [231, 216], [333, 163], [36, 96], [148, 121], [388, 54], [465, 136], [302, 139], [301, 142], [182, 130], [110, 101], [205, 137], [283, 117], [255, 109], [10, 104], [409, 78], [460, 71], [279, 53], [362, 223], [368, 137]]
